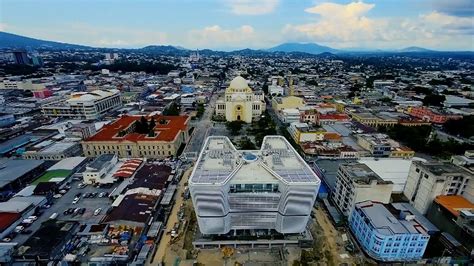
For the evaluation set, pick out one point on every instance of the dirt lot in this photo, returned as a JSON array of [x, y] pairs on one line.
[[328, 244]]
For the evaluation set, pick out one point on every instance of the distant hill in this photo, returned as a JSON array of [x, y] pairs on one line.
[[310, 48], [9, 40], [415, 49], [162, 49]]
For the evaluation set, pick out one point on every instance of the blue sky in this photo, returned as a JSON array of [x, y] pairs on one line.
[[233, 24]]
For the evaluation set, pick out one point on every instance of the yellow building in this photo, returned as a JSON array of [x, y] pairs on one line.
[[302, 132], [402, 152], [240, 102], [289, 102]]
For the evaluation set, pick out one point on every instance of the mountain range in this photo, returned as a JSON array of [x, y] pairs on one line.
[[9, 40]]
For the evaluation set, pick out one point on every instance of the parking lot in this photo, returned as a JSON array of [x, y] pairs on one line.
[[65, 202]]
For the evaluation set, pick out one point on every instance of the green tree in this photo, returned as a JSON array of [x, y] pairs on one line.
[[172, 109], [434, 100], [234, 127], [200, 110]]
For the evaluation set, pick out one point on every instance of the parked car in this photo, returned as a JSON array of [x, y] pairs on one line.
[[19, 229], [57, 196], [6, 239], [82, 211], [81, 185], [76, 200], [33, 217], [97, 211]]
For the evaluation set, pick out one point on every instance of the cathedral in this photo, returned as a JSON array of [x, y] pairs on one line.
[[240, 102]]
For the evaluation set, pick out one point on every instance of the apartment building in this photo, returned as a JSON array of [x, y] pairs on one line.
[[386, 236], [426, 180], [356, 182]]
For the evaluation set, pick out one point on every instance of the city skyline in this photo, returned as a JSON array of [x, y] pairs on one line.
[[237, 24]]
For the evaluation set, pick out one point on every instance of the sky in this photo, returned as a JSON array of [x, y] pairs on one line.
[[237, 24]]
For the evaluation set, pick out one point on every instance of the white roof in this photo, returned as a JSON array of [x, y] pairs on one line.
[[219, 162], [239, 83], [67, 163], [391, 169]]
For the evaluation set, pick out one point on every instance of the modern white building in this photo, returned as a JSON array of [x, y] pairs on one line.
[[355, 183], [270, 188], [428, 180], [188, 99], [84, 105], [290, 116]]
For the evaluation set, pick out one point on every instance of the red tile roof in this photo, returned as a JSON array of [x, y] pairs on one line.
[[454, 203], [7, 219], [166, 132], [334, 116]]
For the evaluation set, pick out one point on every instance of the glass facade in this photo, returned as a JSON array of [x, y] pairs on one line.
[[253, 188]]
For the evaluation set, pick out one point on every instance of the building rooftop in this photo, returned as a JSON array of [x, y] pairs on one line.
[[454, 204], [391, 169], [362, 174], [219, 161], [68, 163], [101, 161], [133, 208], [12, 169], [439, 168], [167, 131], [388, 224], [7, 219]]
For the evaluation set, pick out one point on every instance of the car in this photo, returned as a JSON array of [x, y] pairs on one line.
[[27, 221], [76, 200], [82, 210], [26, 232], [81, 185], [33, 217], [86, 195], [97, 211], [46, 206], [76, 210], [78, 195], [6, 239], [94, 194], [57, 196], [62, 191], [19, 229], [102, 194]]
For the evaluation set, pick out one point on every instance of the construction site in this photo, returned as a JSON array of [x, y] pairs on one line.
[[330, 245]]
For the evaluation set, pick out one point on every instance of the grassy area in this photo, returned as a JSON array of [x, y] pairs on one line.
[[51, 174]]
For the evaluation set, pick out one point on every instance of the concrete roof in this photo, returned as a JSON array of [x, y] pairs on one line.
[[68, 163]]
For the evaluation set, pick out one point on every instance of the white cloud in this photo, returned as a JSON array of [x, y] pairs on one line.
[[3, 27], [349, 25], [216, 36], [252, 7]]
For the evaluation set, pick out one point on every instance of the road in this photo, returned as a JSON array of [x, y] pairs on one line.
[[202, 127], [173, 218]]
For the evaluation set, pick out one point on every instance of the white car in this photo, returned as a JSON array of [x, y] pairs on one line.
[[57, 196], [32, 217], [97, 211], [76, 200], [19, 229], [81, 185]]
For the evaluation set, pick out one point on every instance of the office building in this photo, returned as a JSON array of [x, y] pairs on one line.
[[428, 180], [123, 138], [377, 144], [386, 236], [240, 102], [84, 105], [272, 188], [356, 182]]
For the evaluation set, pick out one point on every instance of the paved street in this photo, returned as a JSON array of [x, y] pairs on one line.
[[202, 127]]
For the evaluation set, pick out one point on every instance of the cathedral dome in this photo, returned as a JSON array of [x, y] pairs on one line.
[[239, 83]]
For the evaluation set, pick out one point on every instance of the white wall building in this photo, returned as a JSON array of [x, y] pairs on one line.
[[270, 188], [84, 105], [428, 180], [355, 183]]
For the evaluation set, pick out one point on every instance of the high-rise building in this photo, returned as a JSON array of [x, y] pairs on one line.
[[21, 57], [428, 180], [356, 182], [270, 188]]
